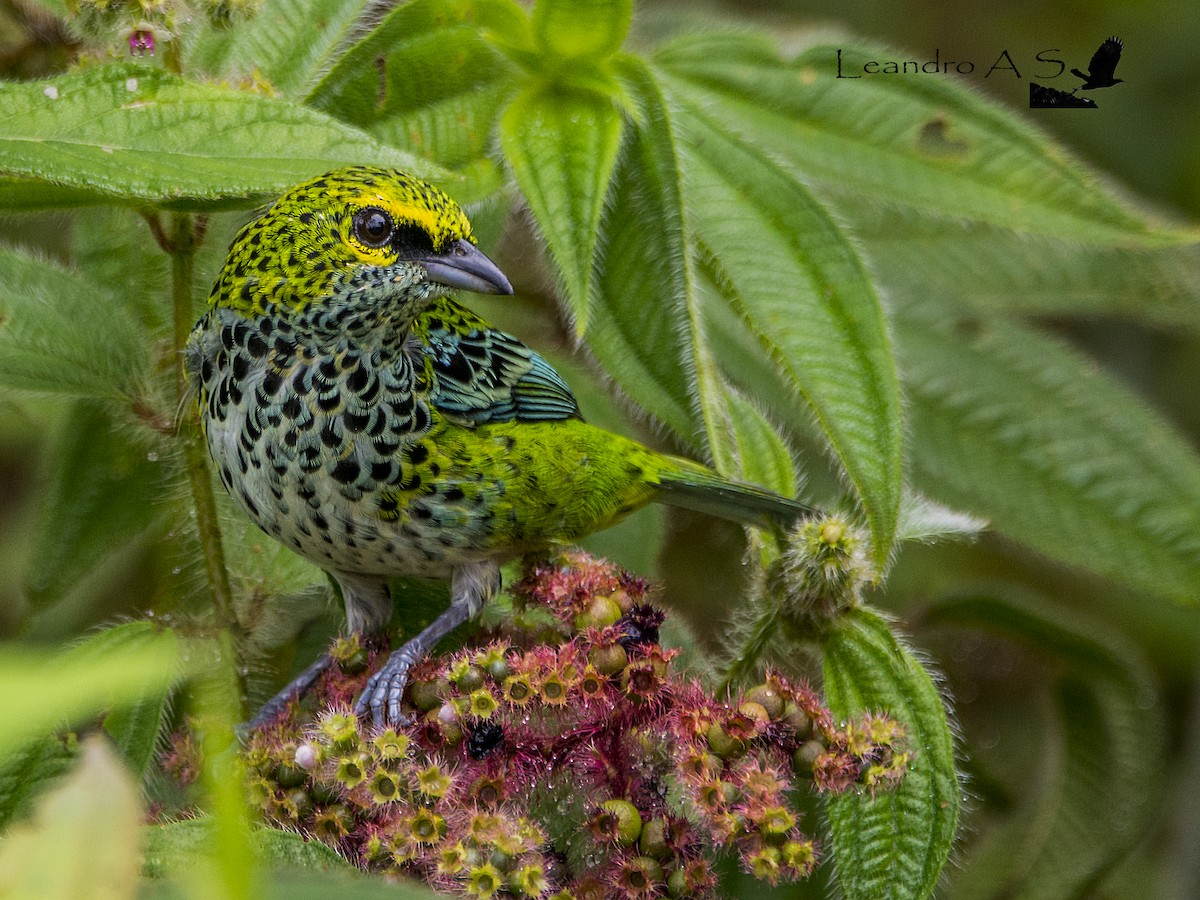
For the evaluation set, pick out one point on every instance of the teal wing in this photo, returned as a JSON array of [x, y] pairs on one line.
[[483, 375]]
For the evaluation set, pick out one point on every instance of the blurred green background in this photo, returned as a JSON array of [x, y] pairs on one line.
[[1145, 137]]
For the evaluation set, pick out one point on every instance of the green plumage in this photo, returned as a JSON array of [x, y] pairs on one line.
[[378, 428]]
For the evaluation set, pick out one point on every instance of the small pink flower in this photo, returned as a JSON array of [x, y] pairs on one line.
[[141, 42]]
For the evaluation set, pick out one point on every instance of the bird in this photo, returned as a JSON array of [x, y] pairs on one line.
[[1102, 67], [359, 414]]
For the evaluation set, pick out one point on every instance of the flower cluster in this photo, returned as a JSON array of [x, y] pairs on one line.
[[146, 23], [563, 756]]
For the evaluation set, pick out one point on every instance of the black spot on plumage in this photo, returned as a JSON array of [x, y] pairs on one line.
[[256, 346], [383, 470], [420, 419], [474, 349], [418, 454], [355, 422], [458, 368], [271, 383], [292, 407], [357, 379], [453, 494], [347, 470], [331, 435], [289, 438], [385, 447], [241, 366], [371, 390], [328, 368], [420, 511], [328, 402]]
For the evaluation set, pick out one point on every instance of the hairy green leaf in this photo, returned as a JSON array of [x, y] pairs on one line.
[[20, 194], [286, 43], [802, 291], [104, 494], [45, 692], [1102, 769], [921, 258], [925, 520], [138, 135], [134, 725], [1015, 426], [763, 456], [61, 334], [639, 328], [175, 846], [426, 78], [894, 844], [562, 147], [25, 775], [923, 143], [299, 884]]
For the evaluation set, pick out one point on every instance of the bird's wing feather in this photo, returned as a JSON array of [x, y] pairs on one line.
[[1105, 59], [484, 375]]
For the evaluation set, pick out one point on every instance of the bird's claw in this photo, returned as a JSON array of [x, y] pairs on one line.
[[384, 690]]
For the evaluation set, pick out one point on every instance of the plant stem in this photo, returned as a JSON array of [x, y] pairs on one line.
[[185, 234], [753, 645]]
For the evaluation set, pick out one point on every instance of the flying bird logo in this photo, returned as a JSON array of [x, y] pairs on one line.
[[1102, 67]]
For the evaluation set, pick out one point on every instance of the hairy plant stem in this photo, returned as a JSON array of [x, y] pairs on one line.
[[184, 237], [752, 646]]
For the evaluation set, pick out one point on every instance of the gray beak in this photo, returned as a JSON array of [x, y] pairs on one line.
[[463, 265]]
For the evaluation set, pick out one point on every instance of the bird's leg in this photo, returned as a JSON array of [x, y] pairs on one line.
[[470, 588], [293, 690], [368, 608]]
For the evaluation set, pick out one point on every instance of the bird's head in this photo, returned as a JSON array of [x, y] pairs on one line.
[[355, 248]]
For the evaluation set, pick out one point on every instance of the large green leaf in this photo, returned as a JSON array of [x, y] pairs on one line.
[[562, 147], [61, 334], [639, 327], [892, 845], [286, 43], [105, 493], [138, 135], [1015, 426], [45, 692], [1101, 771], [920, 142], [426, 78], [175, 846], [918, 258], [802, 290], [26, 774], [135, 725]]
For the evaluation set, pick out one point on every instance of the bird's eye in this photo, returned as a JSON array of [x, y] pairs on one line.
[[373, 226]]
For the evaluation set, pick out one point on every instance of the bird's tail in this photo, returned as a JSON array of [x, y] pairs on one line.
[[691, 486]]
